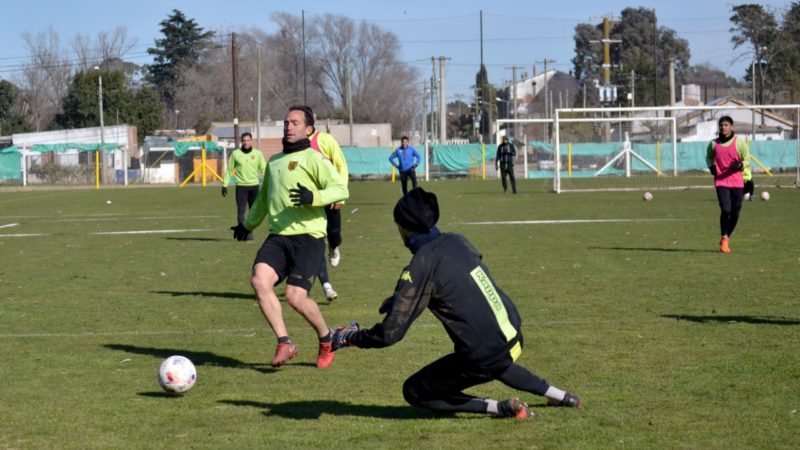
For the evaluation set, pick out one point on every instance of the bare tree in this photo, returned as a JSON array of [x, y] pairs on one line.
[[108, 46], [45, 78]]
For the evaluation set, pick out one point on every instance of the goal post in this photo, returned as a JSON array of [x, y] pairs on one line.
[[605, 149]]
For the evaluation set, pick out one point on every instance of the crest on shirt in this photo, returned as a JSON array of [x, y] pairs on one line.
[[406, 276], [292, 165]]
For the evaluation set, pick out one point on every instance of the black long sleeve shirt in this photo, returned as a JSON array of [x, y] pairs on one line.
[[448, 277]]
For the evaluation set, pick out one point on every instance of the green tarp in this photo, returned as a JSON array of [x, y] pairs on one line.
[[182, 147], [461, 157], [10, 164], [61, 148]]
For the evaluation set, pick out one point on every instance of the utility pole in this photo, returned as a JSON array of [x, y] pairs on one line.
[[434, 95], [258, 102], [633, 88], [424, 119], [671, 81], [235, 68], [655, 59], [513, 102], [755, 100], [442, 103], [305, 96], [350, 101], [546, 101], [483, 83]]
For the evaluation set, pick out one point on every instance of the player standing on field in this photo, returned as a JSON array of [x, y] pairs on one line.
[[298, 183], [447, 276], [406, 159], [329, 148], [726, 157], [504, 162], [248, 164]]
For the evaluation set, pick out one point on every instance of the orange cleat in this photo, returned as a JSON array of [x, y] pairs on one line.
[[284, 352], [723, 245], [325, 355]]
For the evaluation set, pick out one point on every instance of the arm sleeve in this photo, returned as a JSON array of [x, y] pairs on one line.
[[743, 149], [226, 179], [392, 159], [513, 150], [411, 297], [331, 188], [333, 151], [710, 154], [260, 207], [497, 154], [262, 167], [417, 157]]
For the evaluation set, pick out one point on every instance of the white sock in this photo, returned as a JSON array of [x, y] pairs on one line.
[[491, 406], [555, 393]]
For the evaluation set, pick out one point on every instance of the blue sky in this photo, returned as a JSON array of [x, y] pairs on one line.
[[516, 32]]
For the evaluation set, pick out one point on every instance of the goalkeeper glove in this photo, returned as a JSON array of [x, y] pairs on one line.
[[240, 232], [342, 336], [224, 191], [737, 166], [301, 195], [713, 170]]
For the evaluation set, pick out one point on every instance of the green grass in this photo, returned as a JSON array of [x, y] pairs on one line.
[[670, 343]]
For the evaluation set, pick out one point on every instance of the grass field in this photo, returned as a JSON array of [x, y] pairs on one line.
[[628, 304]]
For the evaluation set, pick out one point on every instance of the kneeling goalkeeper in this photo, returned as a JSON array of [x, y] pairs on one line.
[[447, 276]]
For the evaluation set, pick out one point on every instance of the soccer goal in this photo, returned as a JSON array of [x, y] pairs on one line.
[[605, 149]]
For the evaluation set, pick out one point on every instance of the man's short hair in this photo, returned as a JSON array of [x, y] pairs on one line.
[[307, 112], [404, 138], [726, 119], [247, 134]]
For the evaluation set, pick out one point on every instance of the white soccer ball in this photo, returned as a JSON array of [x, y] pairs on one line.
[[765, 196], [177, 374], [647, 196], [747, 196], [108, 202]]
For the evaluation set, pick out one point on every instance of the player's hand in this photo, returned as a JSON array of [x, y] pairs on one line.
[[737, 166], [240, 232], [713, 170], [337, 205], [301, 195], [224, 191], [342, 336], [387, 304]]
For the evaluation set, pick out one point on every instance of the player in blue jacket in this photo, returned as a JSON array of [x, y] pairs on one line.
[[406, 158]]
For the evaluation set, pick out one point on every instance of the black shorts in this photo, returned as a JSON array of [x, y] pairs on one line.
[[294, 258]]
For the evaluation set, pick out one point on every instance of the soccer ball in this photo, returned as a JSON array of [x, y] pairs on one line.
[[747, 196], [647, 196], [765, 196], [177, 374]]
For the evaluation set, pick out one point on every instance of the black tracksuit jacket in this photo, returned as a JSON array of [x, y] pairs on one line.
[[446, 275]]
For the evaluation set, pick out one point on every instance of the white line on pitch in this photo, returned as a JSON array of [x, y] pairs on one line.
[[550, 222], [9, 225], [126, 333], [190, 230], [98, 219], [23, 235]]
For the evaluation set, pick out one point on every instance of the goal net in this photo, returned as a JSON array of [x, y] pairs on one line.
[[607, 149], [665, 148]]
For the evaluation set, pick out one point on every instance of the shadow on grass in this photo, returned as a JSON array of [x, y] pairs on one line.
[[201, 239], [198, 358], [313, 409], [207, 294], [658, 249], [159, 394], [756, 320]]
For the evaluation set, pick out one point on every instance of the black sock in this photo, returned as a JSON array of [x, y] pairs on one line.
[[327, 338], [284, 340]]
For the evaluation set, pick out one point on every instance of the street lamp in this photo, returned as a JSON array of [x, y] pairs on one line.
[[100, 102]]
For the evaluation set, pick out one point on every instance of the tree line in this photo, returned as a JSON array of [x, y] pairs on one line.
[[328, 60]]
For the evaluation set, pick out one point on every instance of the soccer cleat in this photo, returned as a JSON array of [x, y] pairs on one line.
[[334, 257], [330, 294], [284, 352], [569, 401], [325, 355], [516, 408], [723, 245]]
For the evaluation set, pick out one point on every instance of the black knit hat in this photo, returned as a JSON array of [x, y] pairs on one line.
[[417, 211]]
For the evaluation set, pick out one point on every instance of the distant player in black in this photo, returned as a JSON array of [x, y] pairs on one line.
[[504, 162], [446, 276]]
